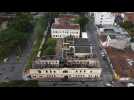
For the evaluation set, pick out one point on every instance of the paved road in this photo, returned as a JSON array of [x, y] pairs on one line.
[[72, 84], [92, 35]]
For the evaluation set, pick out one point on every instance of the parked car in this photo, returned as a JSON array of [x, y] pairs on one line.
[[108, 85], [5, 60], [102, 53]]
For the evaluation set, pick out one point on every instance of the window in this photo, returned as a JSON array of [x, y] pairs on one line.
[[54, 71], [50, 71], [39, 71], [46, 71], [90, 71], [65, 71]]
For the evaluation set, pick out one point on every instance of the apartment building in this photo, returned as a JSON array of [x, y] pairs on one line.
[[104, 18]]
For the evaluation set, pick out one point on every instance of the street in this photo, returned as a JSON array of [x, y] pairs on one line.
[[92, 35], [71, 84]]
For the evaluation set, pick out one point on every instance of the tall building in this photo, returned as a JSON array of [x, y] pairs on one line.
[[104, 18]]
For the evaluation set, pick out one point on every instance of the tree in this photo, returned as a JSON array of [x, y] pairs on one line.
[[49, 51], [16, 34], [51, 42], [82, 20], [22, 21], [19, 84], [129, 26]]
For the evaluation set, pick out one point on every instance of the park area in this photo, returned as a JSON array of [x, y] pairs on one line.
[[15, 35]]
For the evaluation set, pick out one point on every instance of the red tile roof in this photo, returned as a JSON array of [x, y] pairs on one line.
[[64, 23], [103, 38], [66, 26], [68, 17], [119, 61]]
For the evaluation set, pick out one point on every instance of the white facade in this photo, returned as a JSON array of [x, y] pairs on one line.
[[132, 46], [81, 54], [91, 62], [84, 35], [62, 33], [104, 18], [62, 72], [53, 62], [118, 43]]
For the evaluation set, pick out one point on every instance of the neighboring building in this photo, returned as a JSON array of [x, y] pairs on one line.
[[129, 16], [64, 27], [122, 62], [104, 18], [114, 37], [63, 30], [117, 41]]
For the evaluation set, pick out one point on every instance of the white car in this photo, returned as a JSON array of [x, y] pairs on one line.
[[5, 60], [130, 85], [108, 85], [102, 54]]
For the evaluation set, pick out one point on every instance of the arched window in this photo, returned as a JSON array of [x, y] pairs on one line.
[[65, 71], [39, 71]]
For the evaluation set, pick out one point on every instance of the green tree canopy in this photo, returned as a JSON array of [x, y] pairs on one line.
[[129, 26], [19, 84], [82, 20], [16, 34], [51, 42], [22, 21], [49, 51]]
